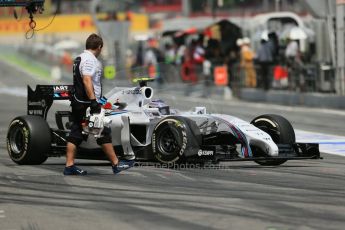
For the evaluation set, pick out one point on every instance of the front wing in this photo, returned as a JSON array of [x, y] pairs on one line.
[[297, 151]]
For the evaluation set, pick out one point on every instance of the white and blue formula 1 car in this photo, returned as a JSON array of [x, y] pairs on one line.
[[152, 131]]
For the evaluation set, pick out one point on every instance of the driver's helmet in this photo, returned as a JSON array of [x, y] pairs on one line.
[[160, 104]]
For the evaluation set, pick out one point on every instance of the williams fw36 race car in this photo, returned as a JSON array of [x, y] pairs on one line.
[[152, 131]]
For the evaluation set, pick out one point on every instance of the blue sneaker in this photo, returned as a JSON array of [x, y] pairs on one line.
[[74, 170], [123, 165]]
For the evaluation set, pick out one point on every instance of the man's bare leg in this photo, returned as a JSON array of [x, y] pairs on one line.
[[108, 149], [70, 154]]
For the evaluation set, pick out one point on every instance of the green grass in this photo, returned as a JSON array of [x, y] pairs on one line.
[[27, 65]]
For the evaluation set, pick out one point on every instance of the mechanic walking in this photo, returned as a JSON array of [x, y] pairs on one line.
[[87, 72]]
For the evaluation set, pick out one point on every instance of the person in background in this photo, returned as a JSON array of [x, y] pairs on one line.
[[169, 54], [192, 66], [139, 59], [240, 73], [213, 58], [230, 59], [198, 52], [247, 63], [274, 45], [180, 53], [265, 58], [198, 58], [294, 64], [152, 58]]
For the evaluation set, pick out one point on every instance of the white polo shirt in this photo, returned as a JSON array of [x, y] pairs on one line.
[[91, 66]]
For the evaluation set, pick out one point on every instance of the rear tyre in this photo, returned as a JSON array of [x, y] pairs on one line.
[[280, 130], [28, 140], [171, 139]]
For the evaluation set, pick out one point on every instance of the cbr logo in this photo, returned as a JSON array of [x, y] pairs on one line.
[[60, 88], [205, 153]]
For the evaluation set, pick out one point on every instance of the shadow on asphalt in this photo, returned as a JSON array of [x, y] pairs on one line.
[[186, 166]]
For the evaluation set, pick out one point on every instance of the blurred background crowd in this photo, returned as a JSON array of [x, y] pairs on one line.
[[264, 44]]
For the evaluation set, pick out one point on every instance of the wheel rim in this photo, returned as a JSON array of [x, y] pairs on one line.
[[167, 142], [16, 140]]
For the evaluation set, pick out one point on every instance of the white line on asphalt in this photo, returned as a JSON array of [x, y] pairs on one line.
[[133, 173], [161, 176], [295, 108], [185, 177], [331, 144]]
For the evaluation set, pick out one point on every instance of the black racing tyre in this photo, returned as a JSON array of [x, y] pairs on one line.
[[28, 140], [171, 138], [280, 130]]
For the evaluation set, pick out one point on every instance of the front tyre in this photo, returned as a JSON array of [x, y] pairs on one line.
[[280, 130], [28, 140], [170, 139]]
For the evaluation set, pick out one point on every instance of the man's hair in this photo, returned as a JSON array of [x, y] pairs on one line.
[[93, 42]]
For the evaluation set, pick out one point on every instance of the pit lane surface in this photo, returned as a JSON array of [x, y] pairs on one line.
[[242, 195]]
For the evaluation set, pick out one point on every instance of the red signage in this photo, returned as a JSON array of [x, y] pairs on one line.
[[220, 75]]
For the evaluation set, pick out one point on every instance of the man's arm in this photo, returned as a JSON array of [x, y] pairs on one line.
[[87, 80], [94, 106]]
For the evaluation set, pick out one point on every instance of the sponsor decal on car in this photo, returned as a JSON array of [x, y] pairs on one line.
[[60, 88], [35, 112], [132, 91], [61, 91], [205, 153], [37, 103], [184, 142]]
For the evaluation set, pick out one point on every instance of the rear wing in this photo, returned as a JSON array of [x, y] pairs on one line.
[[41, 99]]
